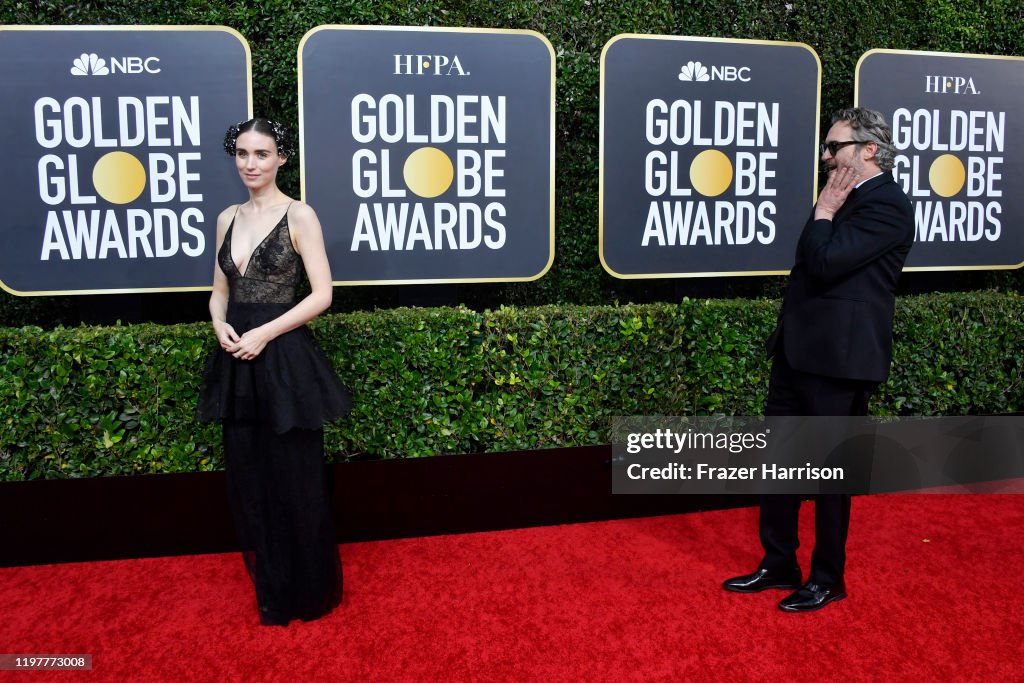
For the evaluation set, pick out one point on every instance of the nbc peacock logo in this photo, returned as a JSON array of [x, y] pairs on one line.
[[694, 71], [89, 64], [697, 71]]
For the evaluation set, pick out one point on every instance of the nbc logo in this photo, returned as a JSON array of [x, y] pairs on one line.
[[694, 71], [90, 65]]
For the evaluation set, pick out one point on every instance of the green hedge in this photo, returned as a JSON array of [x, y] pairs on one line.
[[120, 400], [839, 30]]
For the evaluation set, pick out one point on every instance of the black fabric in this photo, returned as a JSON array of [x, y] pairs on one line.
[[272, 272], [273, 409], [838, 307], [282, 513], [291, 384], [832, 346], [795, 393]]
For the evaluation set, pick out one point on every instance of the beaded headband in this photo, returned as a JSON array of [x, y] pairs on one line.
[[286, 146]]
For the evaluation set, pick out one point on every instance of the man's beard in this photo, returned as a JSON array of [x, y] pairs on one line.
[[857, 166]]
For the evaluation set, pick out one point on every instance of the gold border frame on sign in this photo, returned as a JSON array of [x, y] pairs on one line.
[[551, 151], [654, 36], [856, 103], [190, 27]]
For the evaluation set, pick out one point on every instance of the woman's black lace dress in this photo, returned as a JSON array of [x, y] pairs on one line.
[[273, 409]]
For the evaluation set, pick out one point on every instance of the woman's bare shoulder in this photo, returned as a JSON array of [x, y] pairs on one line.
[[302, 216], [227, 214], [224, 218]]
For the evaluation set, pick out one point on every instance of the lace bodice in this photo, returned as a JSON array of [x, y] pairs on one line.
[[272, 273]]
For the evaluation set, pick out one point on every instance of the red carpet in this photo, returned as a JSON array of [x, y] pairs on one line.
[[623, 600]]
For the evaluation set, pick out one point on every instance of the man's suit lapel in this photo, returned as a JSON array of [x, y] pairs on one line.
[[859, 193], [852, 200]]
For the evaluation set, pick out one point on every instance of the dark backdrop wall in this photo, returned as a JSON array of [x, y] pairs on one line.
[[840, 31]]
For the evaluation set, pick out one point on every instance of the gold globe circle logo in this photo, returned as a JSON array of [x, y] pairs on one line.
[[119, 177], [947, 175], [711, 173], [428, 172]]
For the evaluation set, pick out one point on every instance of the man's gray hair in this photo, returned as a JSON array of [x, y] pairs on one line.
[[869, 125]]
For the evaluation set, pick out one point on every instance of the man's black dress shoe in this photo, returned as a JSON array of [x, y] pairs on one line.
[[812, 596], [761, 580]]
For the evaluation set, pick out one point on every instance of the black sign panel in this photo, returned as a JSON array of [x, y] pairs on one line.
[[115, 166], [429, 153], [958, 127], [708, 154]]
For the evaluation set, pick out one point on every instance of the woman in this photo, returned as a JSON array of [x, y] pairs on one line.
[[271, 386]]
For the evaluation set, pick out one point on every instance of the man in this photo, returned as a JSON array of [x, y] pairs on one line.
[[833, 342]]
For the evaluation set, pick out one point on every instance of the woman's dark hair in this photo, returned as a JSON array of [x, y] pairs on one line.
[[283, 136]]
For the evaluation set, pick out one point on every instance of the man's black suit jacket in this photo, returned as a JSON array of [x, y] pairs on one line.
[[838, 308]]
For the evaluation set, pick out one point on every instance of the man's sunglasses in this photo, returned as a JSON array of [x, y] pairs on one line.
[[835, 146]]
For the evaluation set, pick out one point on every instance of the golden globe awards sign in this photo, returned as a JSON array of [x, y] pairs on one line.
[[114, 171], [708, 154], [958, 128], [428, 153]]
